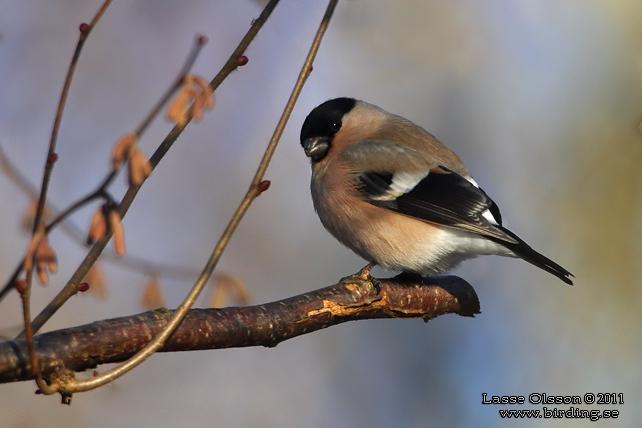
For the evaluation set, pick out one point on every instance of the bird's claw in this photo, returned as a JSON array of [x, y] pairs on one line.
[[365, 275]]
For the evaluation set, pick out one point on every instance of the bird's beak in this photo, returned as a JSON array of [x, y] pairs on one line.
[[316, 148]]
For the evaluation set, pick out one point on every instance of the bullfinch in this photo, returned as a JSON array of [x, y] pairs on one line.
[[398, 197]]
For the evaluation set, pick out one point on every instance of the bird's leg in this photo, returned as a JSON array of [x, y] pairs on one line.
[[366, 276]]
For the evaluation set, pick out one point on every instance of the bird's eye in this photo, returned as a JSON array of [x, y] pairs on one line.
[[335, 126]]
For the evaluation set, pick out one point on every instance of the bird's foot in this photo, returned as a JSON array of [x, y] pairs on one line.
[[365, 275]]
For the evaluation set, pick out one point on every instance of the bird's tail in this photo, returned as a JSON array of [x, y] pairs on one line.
[[524, 251]]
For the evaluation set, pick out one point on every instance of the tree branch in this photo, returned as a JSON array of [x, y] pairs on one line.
[[62, 352]]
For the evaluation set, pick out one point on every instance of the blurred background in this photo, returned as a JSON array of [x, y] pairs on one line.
[[543, 101]]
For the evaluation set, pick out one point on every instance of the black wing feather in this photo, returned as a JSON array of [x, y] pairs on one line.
[[375, 185], [444, 198]]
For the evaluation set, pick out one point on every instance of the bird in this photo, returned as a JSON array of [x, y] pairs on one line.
[[398, 197]]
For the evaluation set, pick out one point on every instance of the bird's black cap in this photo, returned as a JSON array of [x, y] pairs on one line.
[[325, 120]]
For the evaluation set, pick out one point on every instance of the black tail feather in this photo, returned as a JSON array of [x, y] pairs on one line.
[[525, 252]]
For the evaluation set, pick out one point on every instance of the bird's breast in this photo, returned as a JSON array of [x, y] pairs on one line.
[[393, 241]]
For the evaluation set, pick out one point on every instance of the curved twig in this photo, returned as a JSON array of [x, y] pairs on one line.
[[85, 29], [68, 388]]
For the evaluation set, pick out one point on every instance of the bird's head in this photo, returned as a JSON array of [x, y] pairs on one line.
[[321, 125]]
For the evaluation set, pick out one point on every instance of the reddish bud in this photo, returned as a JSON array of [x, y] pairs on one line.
[[264, 185], [52, 158], [21, 285], [83, 286], [311, 68], [201, 39], [84, 27], [242, 60], [95, 373]]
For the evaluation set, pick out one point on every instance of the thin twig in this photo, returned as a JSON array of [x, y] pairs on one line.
[[71, 288], [101, 191], [128, 262], [85, 29], [15, 176], [198, 44], [353, 298], [253, 192], [25, 296], [99, 14], [49, 164]]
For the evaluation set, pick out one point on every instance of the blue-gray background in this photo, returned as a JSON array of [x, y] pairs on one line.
[[541, 98]]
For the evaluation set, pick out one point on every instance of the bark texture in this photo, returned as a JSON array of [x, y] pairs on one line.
[[63, 352]]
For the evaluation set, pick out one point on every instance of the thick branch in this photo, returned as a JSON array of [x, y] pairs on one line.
[[110, 341]]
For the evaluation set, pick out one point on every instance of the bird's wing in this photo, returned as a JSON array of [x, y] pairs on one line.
[[398, 179], [382, 156]]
